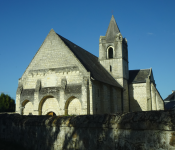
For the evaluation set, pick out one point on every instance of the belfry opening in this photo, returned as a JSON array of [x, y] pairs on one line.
[[110, 52]]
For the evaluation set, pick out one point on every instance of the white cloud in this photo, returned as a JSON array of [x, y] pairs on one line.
[[150, 33]]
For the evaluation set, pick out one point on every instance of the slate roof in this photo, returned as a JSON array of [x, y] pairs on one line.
[[91, 63], [170, 102], [170, 97], [112, 31], [138, 76], [169, 105]]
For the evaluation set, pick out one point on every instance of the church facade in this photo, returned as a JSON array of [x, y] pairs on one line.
[[64, 79]]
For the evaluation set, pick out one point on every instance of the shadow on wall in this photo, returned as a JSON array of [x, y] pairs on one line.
[[137, 130], [134, 105]]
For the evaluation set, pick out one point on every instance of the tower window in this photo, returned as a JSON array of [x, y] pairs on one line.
[[110, 52], [110, 68]]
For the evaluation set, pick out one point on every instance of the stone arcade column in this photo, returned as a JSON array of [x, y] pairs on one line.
[[85, 105], [62, 99], [36, 99]]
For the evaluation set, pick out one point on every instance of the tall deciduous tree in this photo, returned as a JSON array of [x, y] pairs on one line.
[[7, 104]]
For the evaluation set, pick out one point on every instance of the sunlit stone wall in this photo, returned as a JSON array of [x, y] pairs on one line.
[[74, 107], [51, 105], [28, 110], [138, 97]]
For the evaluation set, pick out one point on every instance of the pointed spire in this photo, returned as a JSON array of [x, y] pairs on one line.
[[112, 30], [52, 31]]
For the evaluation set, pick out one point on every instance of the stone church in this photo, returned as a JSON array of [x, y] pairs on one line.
[[65, 79]]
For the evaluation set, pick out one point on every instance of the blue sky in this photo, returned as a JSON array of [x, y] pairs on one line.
[[148, 25]]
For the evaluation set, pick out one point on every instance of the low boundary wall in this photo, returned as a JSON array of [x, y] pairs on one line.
[[154, 130]]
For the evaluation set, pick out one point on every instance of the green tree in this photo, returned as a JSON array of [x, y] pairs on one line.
[[7, 104]]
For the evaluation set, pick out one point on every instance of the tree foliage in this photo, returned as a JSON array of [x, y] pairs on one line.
[[7, 104]]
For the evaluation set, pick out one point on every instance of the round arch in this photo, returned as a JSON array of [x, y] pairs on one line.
[[70, 103], [110, 52], [42, 102], [27, 107], [24, 102]]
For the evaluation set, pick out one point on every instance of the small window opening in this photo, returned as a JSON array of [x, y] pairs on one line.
[[110, 52], [110, 68]]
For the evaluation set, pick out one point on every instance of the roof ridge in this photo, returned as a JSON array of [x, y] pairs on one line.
[[169, 96], [77, 45], [139, 69], [91, 63]]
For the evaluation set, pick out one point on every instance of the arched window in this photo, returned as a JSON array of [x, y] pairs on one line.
[[110, 52]]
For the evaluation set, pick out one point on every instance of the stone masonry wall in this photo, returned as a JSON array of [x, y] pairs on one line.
[[116, 64], [159, 101], [53, 53], [51, 78], [138, 130], [51, 104], [74, 107], [153, 97], [97, 101], [52, 63], [138, 97], [106, 98], [28, 108]]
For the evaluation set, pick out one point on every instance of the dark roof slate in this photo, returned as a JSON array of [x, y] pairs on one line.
[[138, 76], [112, 31], [170, 105], [91, 63], [170, 97]]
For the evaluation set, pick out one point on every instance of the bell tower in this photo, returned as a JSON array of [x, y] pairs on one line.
[[113, 56]]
